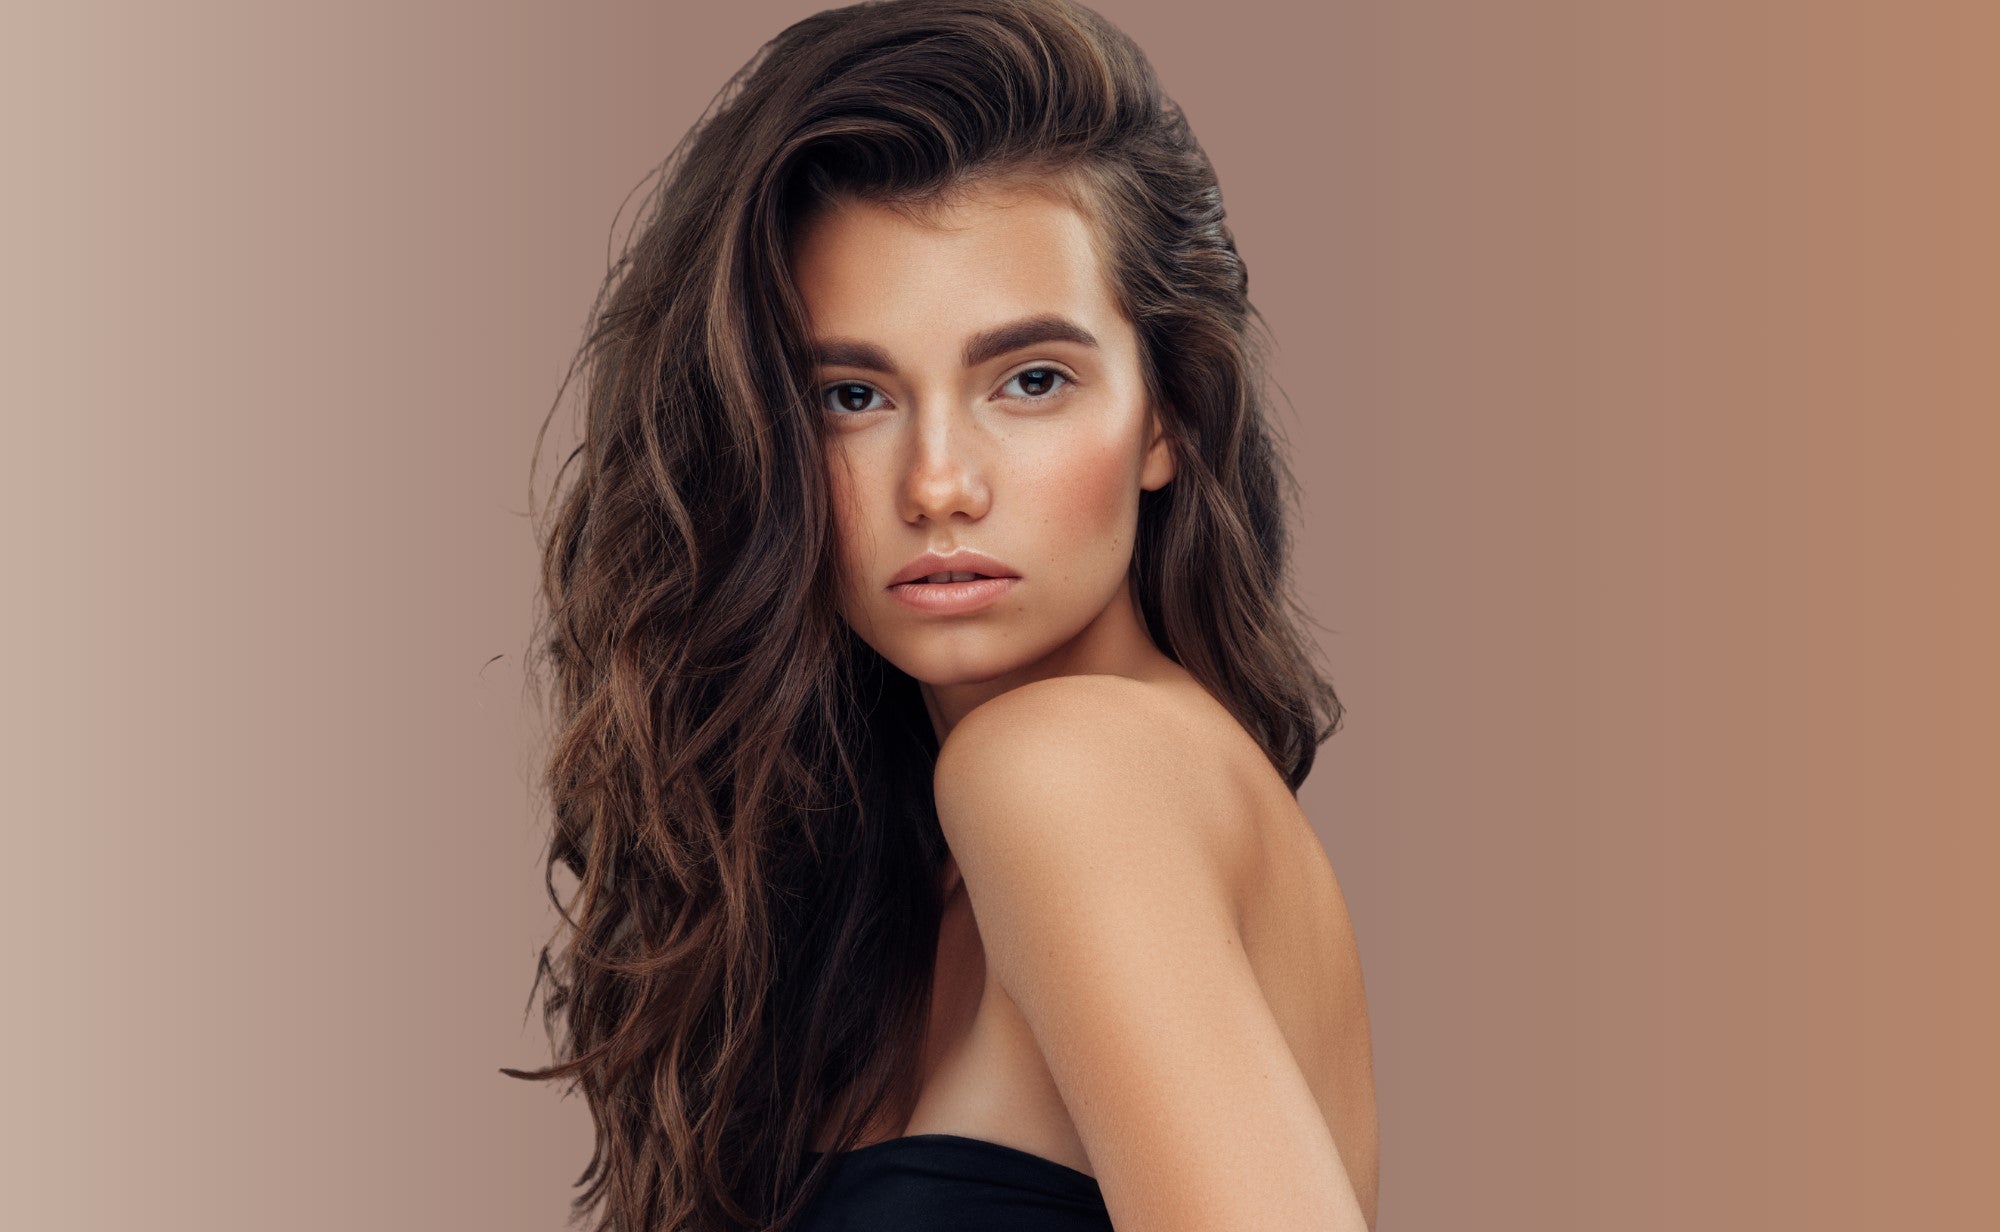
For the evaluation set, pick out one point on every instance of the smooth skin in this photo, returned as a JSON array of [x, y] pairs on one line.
[[1146, 970]]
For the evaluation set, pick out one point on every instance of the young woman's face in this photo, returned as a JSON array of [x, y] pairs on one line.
[[980, 391]]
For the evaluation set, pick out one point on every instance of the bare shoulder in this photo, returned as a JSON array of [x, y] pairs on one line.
[[1113, 706], [1140, 761], [1103, 834]]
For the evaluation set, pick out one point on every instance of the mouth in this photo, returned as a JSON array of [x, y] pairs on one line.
[[945, 579], [953, 568], [952, 594]]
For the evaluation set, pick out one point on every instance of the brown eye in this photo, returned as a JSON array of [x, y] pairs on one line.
[[852, 396], [1038, 383]]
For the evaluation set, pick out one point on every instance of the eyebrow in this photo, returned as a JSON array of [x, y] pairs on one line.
[[982, 346]]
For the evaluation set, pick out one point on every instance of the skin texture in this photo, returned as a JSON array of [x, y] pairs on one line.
[[1113, 917], [1109, 847], [1043, 475]]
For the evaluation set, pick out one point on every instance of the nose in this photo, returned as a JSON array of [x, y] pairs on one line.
[[946, 472]]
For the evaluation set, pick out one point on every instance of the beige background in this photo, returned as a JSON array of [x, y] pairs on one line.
[[1643, 382]]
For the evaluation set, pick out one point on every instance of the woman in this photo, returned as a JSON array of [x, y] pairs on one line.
[[931, 707]]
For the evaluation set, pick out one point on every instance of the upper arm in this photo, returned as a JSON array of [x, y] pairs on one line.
[[1101, 853]]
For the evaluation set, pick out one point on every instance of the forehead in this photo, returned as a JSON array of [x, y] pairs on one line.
[[869, 271]]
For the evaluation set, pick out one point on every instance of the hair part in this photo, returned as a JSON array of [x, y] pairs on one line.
[[740, 786]]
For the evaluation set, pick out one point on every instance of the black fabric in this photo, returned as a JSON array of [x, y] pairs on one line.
[[949, 1183]]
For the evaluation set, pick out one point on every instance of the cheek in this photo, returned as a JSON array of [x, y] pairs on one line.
[[1090, 492]]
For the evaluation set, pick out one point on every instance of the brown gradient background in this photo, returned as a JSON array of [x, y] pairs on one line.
[[1642, 377]]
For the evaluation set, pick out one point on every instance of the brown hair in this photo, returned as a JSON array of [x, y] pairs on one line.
[[740, 786]]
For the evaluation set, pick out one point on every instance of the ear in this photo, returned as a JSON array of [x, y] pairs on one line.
[[1158, 467]]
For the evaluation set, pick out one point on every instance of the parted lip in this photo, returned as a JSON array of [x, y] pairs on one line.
[[959, 560]]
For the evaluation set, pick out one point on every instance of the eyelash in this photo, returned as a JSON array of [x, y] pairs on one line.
[[1058, 391]]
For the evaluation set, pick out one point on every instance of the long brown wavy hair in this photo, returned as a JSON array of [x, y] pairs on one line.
[[740, 786]]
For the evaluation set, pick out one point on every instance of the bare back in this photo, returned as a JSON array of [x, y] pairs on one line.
[[984, 1076]]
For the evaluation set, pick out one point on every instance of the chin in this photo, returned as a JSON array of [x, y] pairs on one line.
[[941, 659], [944, 669]]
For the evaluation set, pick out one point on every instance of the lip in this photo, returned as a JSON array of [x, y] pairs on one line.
[[960, 560], [953, 598]]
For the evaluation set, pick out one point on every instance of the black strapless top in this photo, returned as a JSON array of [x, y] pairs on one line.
[[949, 1183]]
